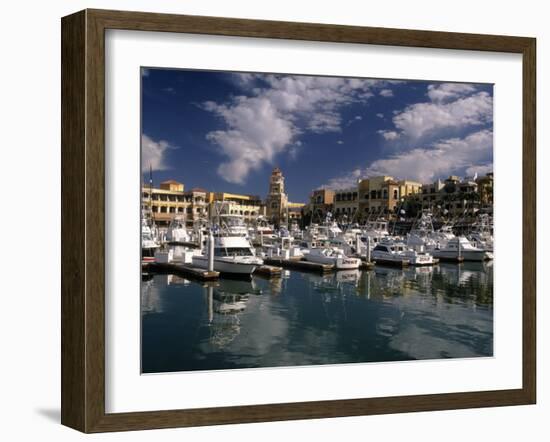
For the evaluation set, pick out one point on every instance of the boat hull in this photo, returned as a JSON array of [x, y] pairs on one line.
[[389, 259], [337, 263], [226, 266]]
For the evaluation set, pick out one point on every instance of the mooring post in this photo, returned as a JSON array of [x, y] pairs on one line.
[[210, 252], [368, 248], [200, 238]]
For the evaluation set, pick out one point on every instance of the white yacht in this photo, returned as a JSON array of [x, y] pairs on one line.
[[232, 254], [389, 254], [234, 225], [416, 257], [149, 244], [482, 236], [375, 231], [177, 231], [334, 257], [460, 248]]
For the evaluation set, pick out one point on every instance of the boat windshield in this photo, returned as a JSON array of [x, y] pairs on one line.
[[233, 251]]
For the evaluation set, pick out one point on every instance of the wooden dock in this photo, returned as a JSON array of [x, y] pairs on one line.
[[181, 269], [268, 271], [304, 266]]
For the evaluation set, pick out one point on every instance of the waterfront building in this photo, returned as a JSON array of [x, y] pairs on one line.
[[321, 202], [278, 209], [295, 211], [408, 188], [277, 200], [247, 206], [165, 201], [171, 199], [453, 197], [346, 203], [380, 196], [485, 190]]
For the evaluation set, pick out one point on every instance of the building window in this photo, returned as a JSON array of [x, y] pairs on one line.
[[395, 194], [373, 194], [172, 210], [163, 209], [385, 194]]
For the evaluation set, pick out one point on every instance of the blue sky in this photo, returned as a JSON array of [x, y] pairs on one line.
[[226, 131]]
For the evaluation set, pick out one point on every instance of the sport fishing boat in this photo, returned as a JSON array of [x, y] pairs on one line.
[[389, 254], [416, 257], [232, 254], [177, 231], [332, 256], [149, 245], [460, 248]]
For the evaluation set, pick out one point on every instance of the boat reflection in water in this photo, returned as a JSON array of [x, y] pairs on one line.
[[384, 314], [225, 303]]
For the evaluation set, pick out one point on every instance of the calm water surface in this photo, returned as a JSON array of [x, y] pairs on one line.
[[384, 314]]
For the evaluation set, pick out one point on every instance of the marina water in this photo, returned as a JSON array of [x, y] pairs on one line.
[[381, 315]]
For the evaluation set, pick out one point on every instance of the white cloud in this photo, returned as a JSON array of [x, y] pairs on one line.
[[344, 181], [389, 135], [355, 119], [480, 170], [153, 153], [339, 142], [256, 133], [442, 158], [446, 91], [379, 115], [445, 157], [421, 118], [144, 72], [275, 110], [386, 93]]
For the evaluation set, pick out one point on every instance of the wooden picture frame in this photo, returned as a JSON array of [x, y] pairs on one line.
[[83, 220]]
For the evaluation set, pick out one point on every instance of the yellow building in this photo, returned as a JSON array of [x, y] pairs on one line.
[[170, 199], [408, 188], [320, 203], [295, 211], [378, 196], [248, 206], [485, 190], [346, 203], [164, 202]]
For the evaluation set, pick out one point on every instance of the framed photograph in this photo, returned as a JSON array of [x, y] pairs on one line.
[[267, 221]]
